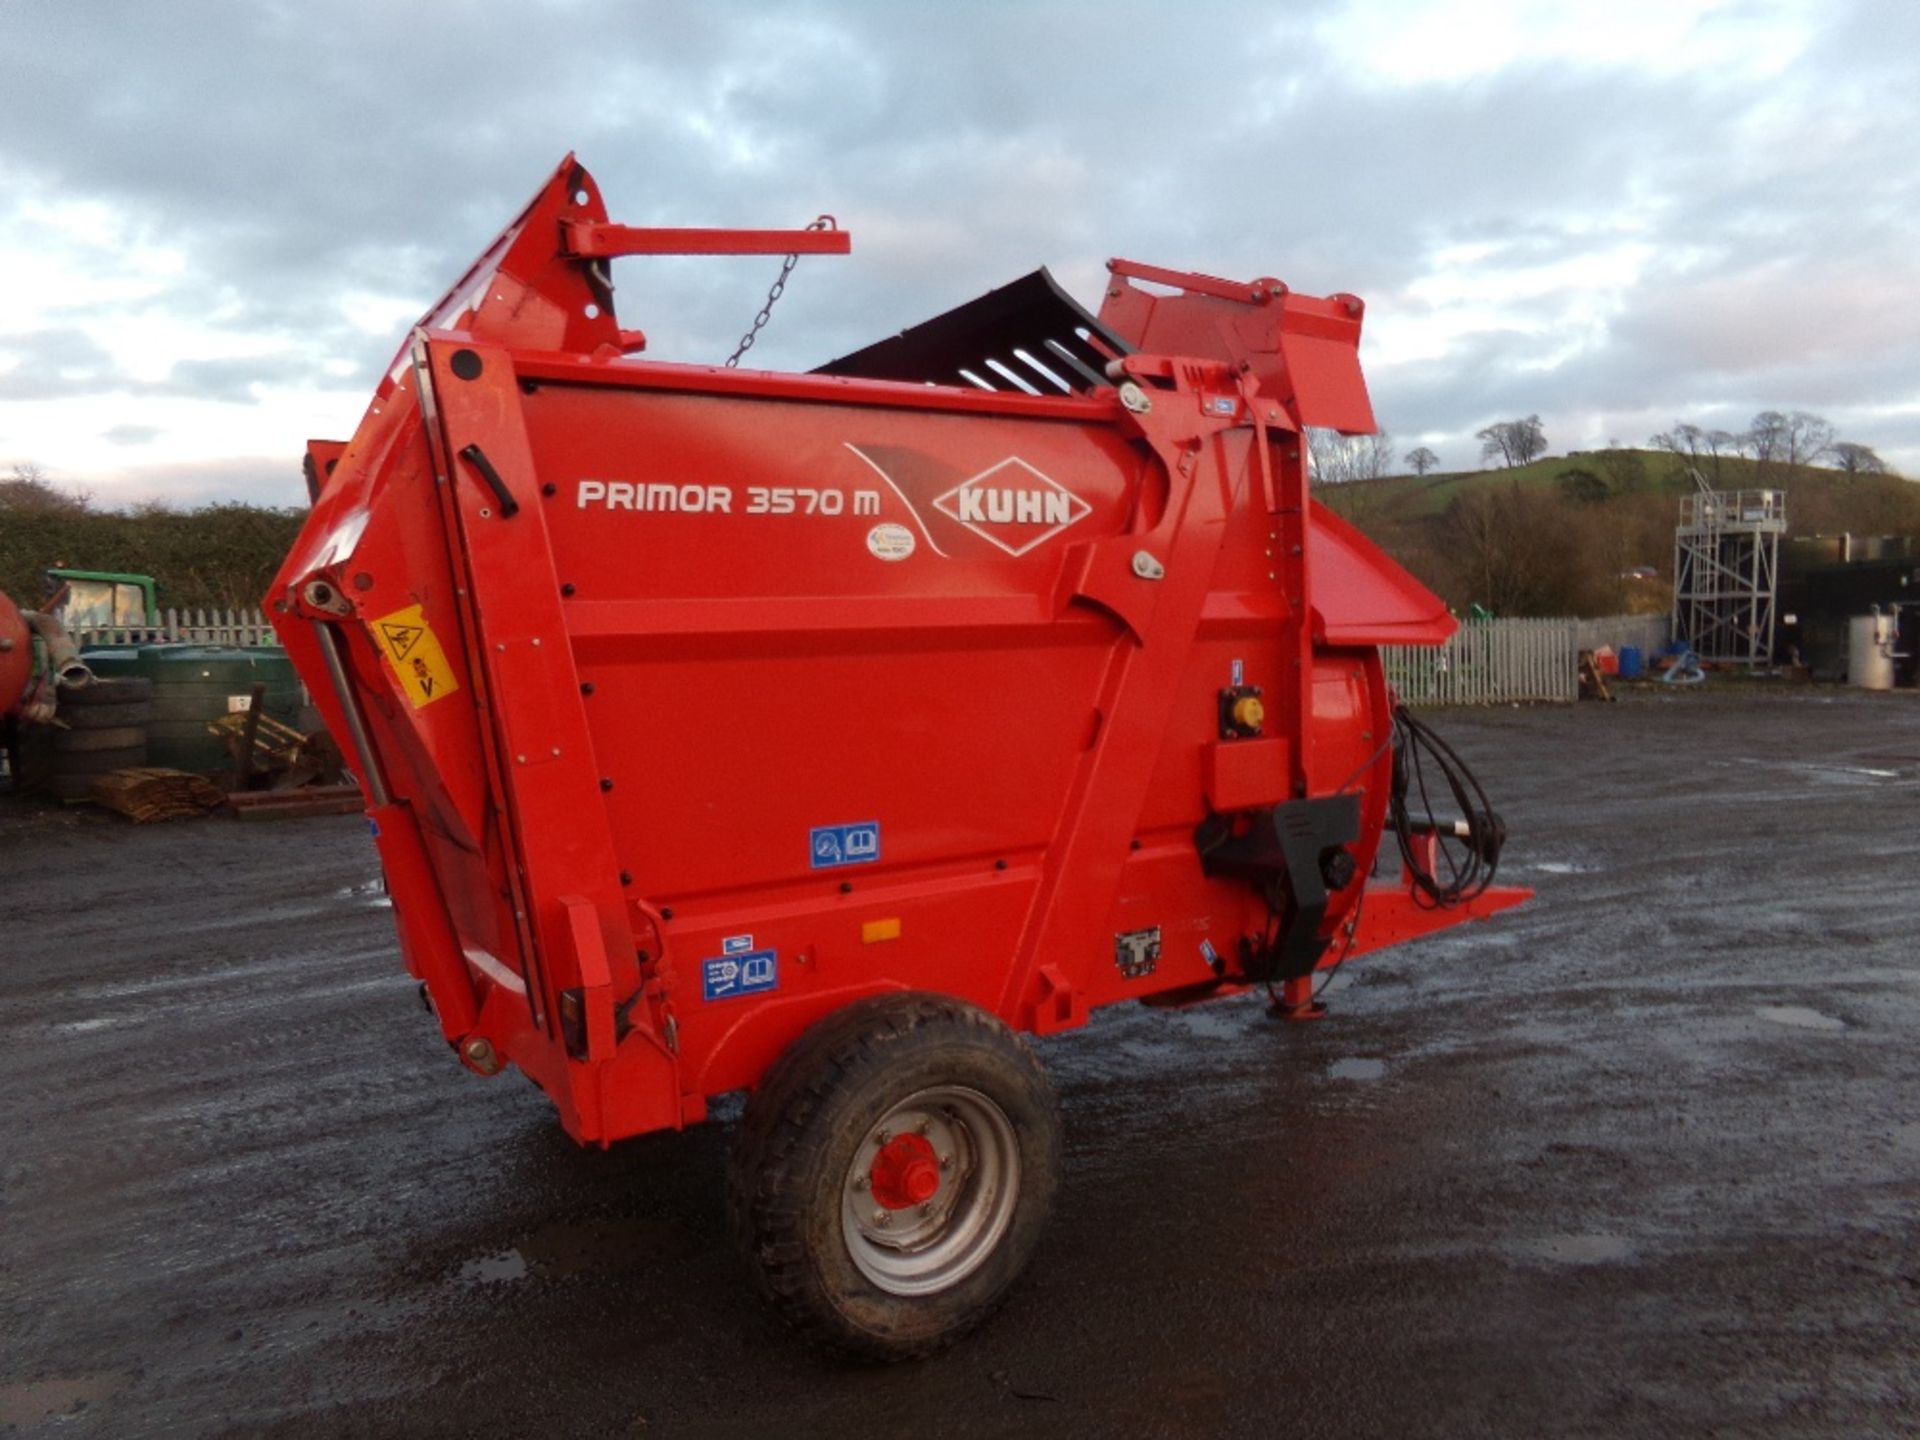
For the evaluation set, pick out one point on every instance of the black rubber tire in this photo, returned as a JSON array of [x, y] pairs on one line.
[[119, 737], [114, 690], [802, 1128], [98, 762], [107, 717]]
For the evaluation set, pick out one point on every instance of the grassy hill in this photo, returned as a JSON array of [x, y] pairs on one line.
[[1830, 491], [1560, 535]]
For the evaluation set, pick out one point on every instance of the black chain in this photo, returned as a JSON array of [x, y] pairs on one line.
[[824, 222]]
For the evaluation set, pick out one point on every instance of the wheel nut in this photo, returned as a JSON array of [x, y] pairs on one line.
[[859, 1182], [946, 1162], [883, 1217], [883, 1137]]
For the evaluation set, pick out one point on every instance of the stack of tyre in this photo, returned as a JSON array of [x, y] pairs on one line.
[[106, 729]]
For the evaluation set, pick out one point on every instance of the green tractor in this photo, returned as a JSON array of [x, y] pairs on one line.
[[102, 599]]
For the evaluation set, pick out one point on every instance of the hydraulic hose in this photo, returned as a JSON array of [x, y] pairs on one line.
[[1466, 850]]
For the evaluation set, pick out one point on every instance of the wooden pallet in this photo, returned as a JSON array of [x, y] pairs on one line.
[[147, 793]]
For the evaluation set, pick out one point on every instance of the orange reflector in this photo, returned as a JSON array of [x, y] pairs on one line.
[[875, 931]]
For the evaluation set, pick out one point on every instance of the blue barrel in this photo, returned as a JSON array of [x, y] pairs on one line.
[[1631, 662]]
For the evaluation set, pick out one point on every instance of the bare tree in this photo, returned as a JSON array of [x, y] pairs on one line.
[[1684, 440], [1420, 460], [1376, 456], [1513, 442], [1857, 459], [1700, 448], [1791, 438], [27, 491], [1335, 459], [1767, 436], [1327, 456], [1809, 439]]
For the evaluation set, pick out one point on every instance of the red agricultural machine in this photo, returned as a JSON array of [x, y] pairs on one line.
[[814, 734]]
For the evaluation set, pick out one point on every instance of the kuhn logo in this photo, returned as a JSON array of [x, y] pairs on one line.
[[1013, 505]]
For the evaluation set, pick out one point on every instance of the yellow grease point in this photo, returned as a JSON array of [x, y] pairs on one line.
[[1248, 712]]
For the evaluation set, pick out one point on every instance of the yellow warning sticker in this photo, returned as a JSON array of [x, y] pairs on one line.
[[415, 655]]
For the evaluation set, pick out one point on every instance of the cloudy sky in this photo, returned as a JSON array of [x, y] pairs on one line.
[[218, 219]]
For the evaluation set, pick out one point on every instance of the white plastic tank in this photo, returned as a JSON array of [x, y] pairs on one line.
[[1870, 651]]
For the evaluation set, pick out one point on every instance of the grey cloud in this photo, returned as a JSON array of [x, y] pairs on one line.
[[236, 379], [55, 363], [47, 364], [297, 153], [132, 434]]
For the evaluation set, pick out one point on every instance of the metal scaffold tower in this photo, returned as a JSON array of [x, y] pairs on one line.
[[1726, 567]]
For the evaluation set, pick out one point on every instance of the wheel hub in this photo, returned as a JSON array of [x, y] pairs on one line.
[[905, 1173], [931, 1190]]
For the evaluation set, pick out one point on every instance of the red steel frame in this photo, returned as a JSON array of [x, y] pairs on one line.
[[608, 656]]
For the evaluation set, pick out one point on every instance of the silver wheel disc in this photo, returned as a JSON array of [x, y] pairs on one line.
[[934, 1242]]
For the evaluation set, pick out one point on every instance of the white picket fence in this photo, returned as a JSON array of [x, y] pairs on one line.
[[200, 627], [1497, 662], [1489, 662]]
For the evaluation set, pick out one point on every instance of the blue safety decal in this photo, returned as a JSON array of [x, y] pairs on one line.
[[1209, 954], [726, 976], [1239, 675], [831, 846], [736, 945]]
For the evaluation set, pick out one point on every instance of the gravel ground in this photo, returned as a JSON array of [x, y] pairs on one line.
[[1642, 1158]]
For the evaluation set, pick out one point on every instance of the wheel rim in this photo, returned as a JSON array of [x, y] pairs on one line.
[[907, 1238]]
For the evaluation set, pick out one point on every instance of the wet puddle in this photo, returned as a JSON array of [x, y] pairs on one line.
[[492, 1269], [1800, 1017], [1215, 1021], [371, 893], [1819, 770], [1579, 1249], [65, 1397], [1558, 867], [1356, 1069]]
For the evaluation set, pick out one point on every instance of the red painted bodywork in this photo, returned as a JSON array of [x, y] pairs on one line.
[[675, 650], [16, 655]]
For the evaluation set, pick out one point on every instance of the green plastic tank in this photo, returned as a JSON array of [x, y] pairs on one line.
[[196, 684]]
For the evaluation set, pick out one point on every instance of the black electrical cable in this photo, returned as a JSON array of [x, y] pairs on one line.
[[1352, 927], [1471, 860]]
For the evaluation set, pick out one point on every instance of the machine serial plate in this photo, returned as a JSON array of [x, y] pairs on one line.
[[1137, 952]]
